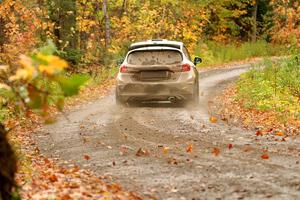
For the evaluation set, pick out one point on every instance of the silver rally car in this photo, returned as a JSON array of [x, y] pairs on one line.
[[158, 70]]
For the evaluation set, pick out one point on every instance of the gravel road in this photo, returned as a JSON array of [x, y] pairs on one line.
[[112, 136]]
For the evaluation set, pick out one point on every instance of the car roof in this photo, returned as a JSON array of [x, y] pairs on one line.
[[156, 43], [149, 48]]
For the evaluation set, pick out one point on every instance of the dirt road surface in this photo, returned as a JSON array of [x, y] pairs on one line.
[[111, 136]]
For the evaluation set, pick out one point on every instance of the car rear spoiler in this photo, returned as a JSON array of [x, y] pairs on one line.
[[133, 47]]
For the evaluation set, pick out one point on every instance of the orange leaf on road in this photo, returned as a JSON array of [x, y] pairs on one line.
[[280, 134], [230, 146], [189, 148], [87, 157], [165, 150], [53, 178], [216, 151], [213, 120], [259, 133], [265, 156], [142, 152]]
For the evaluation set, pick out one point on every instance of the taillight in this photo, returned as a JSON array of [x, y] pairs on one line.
[[186, 68], [123, 69]]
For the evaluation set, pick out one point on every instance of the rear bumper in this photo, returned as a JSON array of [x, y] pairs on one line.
[[154, 91]]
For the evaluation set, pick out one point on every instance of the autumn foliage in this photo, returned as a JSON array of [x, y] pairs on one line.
[[47, 45]]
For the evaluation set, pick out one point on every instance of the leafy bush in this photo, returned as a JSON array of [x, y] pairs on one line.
[[216, 53], [38, 82], [273, 87], [73, 56]]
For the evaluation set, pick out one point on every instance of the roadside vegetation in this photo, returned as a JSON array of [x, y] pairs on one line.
[[218, 54], [273, 86]]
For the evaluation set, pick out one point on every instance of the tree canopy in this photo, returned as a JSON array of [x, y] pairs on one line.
[[91, 31]]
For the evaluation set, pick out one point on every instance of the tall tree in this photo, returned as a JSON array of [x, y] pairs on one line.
[[254, 21], [2, 33], [107, 24], [63, 14]]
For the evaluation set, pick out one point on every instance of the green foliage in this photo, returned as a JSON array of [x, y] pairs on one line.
[[48, 49], [273, 87], [216, 53], [73, 56], [39, 82], [70, 85]]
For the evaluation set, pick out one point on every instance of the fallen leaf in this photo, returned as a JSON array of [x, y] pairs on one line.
[[73, 185], [216, 151], [265, 156], [75, 169], [142, 152], [165, 150], [81, 126], [230, 146], [280, 134], [189, 148], [66, 197], [270, 130], [213, 120], [114, 187], [172, 161], [87, 157], [259, 133], [53, 178]]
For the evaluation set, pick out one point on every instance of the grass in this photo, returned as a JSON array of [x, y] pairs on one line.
[[273, 86], [215, 53]]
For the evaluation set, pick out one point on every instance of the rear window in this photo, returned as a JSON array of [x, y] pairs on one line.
[[165, 57]]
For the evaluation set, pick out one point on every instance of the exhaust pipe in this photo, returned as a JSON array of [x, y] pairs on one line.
[[172, 99]]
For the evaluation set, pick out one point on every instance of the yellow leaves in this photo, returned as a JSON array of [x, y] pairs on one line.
[[30, 68], [3, 69], [85, 25], [27, 71], [4, 86], [165, 150], [53, 64]]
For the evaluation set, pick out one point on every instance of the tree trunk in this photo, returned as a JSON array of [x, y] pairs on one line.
[[67, 21], [123, 8], [8, 166], [63, 14], [2, 34], [254, 23], [107, 24]]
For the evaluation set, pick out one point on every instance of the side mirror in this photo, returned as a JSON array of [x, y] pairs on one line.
[[120, 61], [197, 60]]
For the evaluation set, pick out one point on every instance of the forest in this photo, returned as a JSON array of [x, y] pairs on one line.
[[98, 32], [49, 49]]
